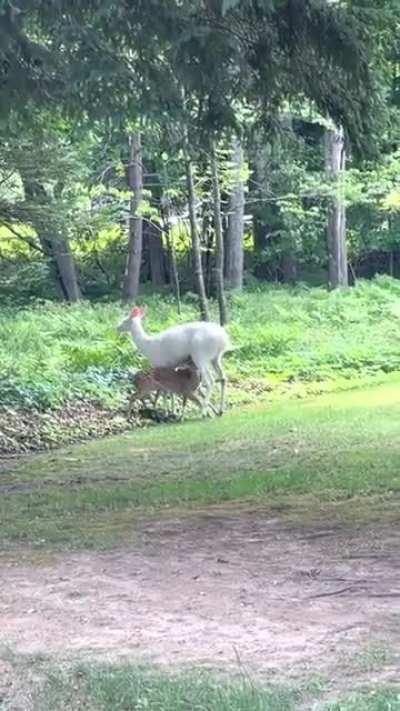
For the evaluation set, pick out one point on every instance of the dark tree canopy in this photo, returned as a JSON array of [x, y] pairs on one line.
[[122, 60]]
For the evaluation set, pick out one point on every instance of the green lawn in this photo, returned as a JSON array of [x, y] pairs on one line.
[[323, 451], [335, 456]]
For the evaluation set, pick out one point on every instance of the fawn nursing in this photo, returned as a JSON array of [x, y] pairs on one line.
[[182, 381], [202, 342]]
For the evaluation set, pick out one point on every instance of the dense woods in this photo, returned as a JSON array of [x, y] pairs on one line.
[[196, 146]]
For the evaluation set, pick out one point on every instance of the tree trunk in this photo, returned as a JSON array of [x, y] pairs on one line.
[[391, 263], [66, 269], [234, 236], [208, 237], [45, 243], [157, 259], [289, 268], [259, 171], [336, 225], [196, 250], [170, 239], [56, 248], [219, 239], [134, 258]]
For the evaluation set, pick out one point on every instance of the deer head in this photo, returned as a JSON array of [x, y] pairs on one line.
[[137, 313]]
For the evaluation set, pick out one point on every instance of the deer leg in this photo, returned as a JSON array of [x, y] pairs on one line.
[[169, 403], [200, 403], [184, 401], [217, 365], [207, 382], [165, 397]]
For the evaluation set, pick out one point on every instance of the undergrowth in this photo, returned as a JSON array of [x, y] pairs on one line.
[[51, 353]]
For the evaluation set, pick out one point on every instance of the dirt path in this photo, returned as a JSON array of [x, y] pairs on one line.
[[213, 590]]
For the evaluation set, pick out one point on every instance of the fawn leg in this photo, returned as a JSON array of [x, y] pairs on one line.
[[132, 399], [184, 401]]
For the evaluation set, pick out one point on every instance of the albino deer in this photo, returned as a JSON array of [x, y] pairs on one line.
[[182, 381], [203, 342]]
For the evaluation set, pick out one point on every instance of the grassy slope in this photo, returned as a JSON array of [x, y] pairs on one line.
[[330, 448], [336, 455]]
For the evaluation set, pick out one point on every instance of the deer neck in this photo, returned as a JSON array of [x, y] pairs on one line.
[[143, 342]]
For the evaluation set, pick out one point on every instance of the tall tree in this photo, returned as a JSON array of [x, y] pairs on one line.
[[234, 236], [219, 239], [170, 239], [336, 224], [195, 240], [135, 243], [54, 245], [40, 168], [156, 253]]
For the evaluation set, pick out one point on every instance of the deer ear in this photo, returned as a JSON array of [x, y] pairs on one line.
[[143, 311]]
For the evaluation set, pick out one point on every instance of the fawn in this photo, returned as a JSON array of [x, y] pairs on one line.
[[183, 380]]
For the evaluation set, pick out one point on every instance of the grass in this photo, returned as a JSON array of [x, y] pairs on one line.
[[329, 451], [127, 687], [373, 700], [50, 353], [332, 456]]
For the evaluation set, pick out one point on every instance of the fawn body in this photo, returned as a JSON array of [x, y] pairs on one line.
[[183, 381]]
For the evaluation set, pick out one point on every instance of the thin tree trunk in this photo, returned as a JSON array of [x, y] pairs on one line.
[[173, 266], [134, 258], [336, 225], [234, 235], [209, 242], [259, 171], [391, 263], [157, 258], [196, 250], [391, 253], [219, 239]]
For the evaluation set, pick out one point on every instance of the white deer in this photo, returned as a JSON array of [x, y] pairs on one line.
[[203, 342]]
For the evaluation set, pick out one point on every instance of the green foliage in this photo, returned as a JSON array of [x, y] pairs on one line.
[[51, 353], [220, 53]]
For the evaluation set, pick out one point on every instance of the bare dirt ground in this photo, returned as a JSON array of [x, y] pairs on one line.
[[218, 589]]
